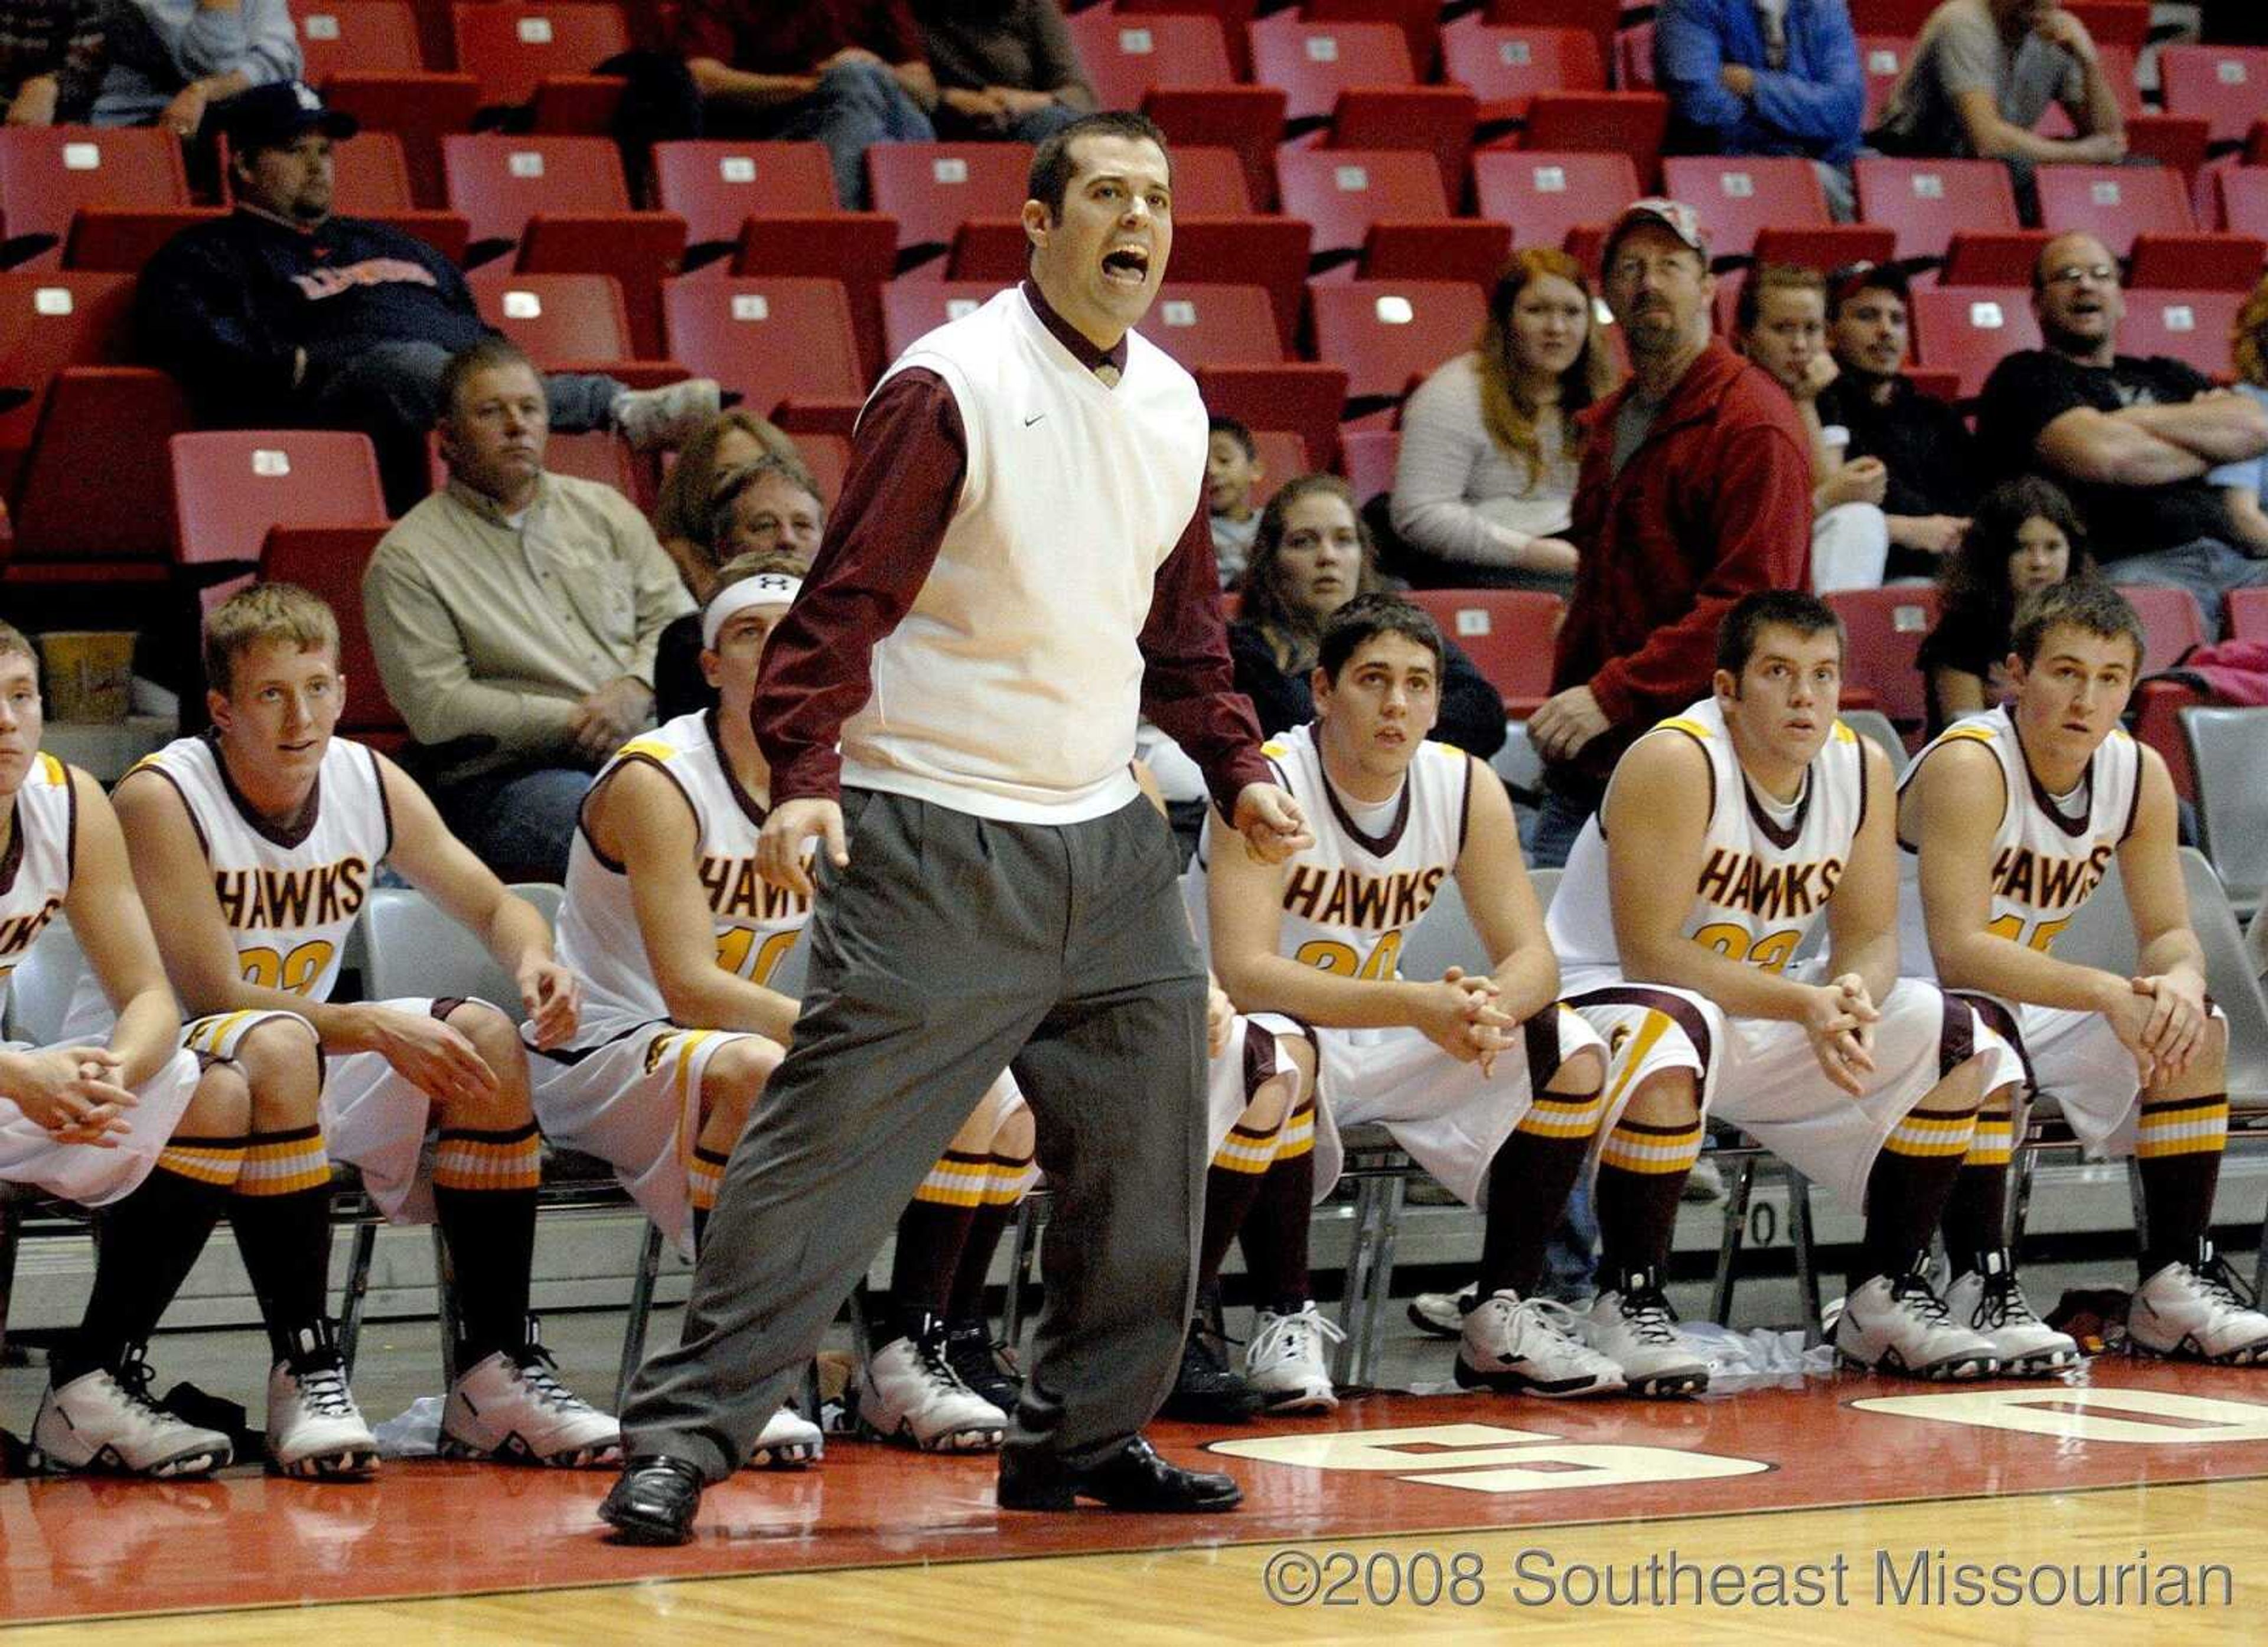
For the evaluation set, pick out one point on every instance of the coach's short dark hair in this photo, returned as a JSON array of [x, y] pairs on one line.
[[1791, 608], [488, 353], [2088, 604], [1052, 164], [1365, 618]]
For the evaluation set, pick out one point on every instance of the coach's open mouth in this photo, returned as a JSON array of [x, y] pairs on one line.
[[1129, 265]]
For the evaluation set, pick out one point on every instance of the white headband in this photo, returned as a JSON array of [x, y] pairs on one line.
[[765, 589]]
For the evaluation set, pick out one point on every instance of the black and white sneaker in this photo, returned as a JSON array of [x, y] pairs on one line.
[[313, 1427]]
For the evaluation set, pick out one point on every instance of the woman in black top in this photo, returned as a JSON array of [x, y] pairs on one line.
[[1310, 555], [2024, 537]]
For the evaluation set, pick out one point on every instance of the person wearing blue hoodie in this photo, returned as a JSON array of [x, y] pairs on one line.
[[1765, 77]]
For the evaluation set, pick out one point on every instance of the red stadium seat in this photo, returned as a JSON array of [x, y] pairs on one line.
[[1388, 333], [1506, 67], [328, 561], [1283, 457], [1925, 201], [420, 108], [1882, 59], [1270, 251], [717, 185], [1736, 197], [123, 242], [1630, 123], [1634, 59], [1125, 56], [1507, 633], [1546, 196], [1890, 17], [1247, 119], [1367, 457], [375, 36], [1992, 257], [1884, 629], [51, 320], [561, 321], [932, 187], [47, 172], [1436, 119], [1202, 325], [1969, 329], [774, 339], [1209, 183], [87, 500], [2220, 262], [1315, 61], [2170, 620], [2122, 25], [2248, 613], [827, 460], [1435, 248], [1342, 192], [2243, 192], [1419, 21], [2189, 326], [1230, 15], [230, 486], [370, 173], [1599, 18], [1305, 398], [2113, 203], [858, 248], [2227, 85], [913, 307], [512, 47]]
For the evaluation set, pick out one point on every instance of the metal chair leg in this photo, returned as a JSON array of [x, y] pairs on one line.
[[1381, 1279], [12, 1232], [641, 1312], [1728, 1245], [357, 1291], [444, 1297], [2141, 1204], [1031, 1215], [862, 1322], [1354, 1298], [2019, 1210], [1807, 1255]]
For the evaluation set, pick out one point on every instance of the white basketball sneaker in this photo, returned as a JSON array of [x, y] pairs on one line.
[[1530, 1347], [313, 1427], [788, 1442], [1283, 1364], [509, 1408], [1899, 1325], [2198, 1312], [1633, 1327], [104, 1422], [1990, 1301], [908, 1392], [1442, 1314]]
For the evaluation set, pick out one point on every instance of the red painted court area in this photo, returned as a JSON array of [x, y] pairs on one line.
[[1384, 1464]]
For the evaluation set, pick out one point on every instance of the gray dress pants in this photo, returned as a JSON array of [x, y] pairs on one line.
[[952, 946]]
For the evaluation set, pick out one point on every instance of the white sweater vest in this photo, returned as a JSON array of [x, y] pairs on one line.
[[1013, 686]]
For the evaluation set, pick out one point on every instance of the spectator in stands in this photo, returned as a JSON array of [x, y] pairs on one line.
[[681, 513], [1780, 323], [846, 73], [282, 315], [1694, 491], [1485, 478], [1004, 68], [1313, 554], [1981, 76], [2244, 484], [1921, 441], [767, 508], [2132, 440], [52, 58], [170, 60], [2026, 536], [1232, 475], [514, 614], [1765, 77]]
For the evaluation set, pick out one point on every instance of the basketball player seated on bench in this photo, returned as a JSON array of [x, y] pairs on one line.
[[259, 841], [2013, 817], [676, 937], [1727, 834], [1491, 1084], [124, 1122]]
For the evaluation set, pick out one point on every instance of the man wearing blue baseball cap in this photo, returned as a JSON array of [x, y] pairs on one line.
[[284, 315]]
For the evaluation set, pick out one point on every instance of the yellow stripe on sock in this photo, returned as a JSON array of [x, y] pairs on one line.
[[1556, 1115], [1992, 1142], [218, 1163], [1010, 1181], [463, 1162], [2182, 1129], [1923, 1134], [1298, 1137], [284, 1167], [955, 1181], [1246, 1151], [1651, 1151], [702, 1180]]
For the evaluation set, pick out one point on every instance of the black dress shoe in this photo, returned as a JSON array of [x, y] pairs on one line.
[[654, 1500], [1134, 1478]]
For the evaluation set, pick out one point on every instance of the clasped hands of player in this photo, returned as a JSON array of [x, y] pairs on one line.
[[1840, 1020], [2162, 1020], [1268, 819], [441, 1061], [70, 1091]]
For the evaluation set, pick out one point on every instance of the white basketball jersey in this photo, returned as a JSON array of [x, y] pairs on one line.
[[290, 895], [1762, 883], [35, 870], [755, 923], [1350, 899], [2047, 857]]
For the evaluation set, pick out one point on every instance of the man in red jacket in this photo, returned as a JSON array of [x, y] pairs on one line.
[[1696, 489]]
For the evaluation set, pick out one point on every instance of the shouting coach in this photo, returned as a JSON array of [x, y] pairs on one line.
[[1021, 567]]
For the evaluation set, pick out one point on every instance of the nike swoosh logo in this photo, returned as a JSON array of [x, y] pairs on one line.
[[1034, 418]]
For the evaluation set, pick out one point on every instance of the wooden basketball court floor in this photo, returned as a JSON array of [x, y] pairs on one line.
[[2126, 1502]]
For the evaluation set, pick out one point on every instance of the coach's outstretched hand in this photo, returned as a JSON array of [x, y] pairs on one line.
[[779, 845], [1271, 823]]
